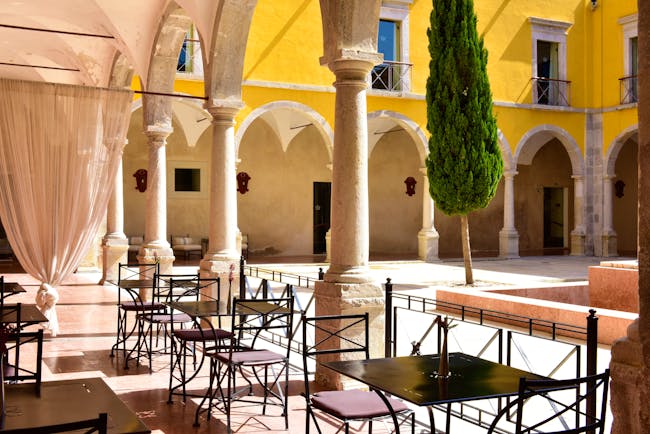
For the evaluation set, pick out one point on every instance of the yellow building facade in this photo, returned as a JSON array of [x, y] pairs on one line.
[[563, 77]]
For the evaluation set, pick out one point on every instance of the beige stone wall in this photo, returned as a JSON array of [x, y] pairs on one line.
[[484, 227], [395, 217], [277, 211], [551, 168], [186, 213], [625, 208]]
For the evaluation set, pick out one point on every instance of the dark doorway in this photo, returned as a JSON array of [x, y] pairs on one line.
[[322, 193], [553, 217]]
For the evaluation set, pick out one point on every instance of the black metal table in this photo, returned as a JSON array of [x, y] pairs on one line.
[[414, 379], [30, 314], [11, 288], [67, 401]]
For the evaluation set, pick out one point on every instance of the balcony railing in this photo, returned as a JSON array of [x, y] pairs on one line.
[[392, 76], [551, 91], [189, 59], [629, 90]]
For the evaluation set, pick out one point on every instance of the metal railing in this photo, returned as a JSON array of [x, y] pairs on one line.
[[628, 89], [189, 59], [391, 76], [551, 91]]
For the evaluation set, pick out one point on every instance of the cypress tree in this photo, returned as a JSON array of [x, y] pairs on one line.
[[464, 164]]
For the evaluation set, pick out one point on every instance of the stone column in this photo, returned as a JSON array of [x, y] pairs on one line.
[[428, 236], [347, 286], [222, 244], [508, 236], [115, 246], [609, 238], [630, 363], [578, 233], [155, 246]]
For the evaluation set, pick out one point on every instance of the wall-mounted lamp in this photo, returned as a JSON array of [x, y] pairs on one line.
[[410, 185], [594, 4], [619, 188], [242, 182]]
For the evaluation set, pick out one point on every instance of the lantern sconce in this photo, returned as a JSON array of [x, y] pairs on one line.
[[410, 185], [141, 180], [242, 182], [618, 188]]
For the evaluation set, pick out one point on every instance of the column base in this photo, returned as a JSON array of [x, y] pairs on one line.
[[577, 243], [628, 380], [114, 252], [333, 298], [609, 244], [150, 254], [428, 245], [227, 269], [508, 243]]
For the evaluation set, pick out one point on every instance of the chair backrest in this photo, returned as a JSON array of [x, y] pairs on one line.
[[558, 406], [97, 425], [137, 271], [175, 287], [255, 320], [329, 336]]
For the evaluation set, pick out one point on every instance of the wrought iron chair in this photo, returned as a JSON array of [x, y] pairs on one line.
[[345, 334], [156, 320], [558, 406], [253, 323], [205, 331], [98, 425], [12, 338], [132, 278]]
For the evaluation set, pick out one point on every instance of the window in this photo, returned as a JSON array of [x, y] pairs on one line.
[[187, 179], [550, 86], [189, 59], [392, 41], [628, 83]]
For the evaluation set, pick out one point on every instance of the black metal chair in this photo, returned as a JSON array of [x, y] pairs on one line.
[[132, 279], [12, 338], [558, 406], [154, 320], [332, 336], [97, 425], [207, 333], [254, 321]]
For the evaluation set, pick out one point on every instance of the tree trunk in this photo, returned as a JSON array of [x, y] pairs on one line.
[[467, 252]]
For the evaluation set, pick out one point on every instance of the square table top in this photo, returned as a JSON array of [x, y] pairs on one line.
[[208, 308], [29, 314], [414, 378], [67, 401], [12, 288]]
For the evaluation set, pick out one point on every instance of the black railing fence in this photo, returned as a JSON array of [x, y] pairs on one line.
[[410, 326]]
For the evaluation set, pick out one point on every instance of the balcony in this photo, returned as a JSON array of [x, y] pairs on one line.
[[551, 91], [392, 76], [189, 59], [628, 89]]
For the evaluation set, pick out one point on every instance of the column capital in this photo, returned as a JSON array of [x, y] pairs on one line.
[[578, 177], [224, 110], [510, 173], [349, 64], [609, 177], [157, 134]]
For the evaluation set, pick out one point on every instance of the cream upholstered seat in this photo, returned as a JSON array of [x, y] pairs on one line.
[[186, 246]]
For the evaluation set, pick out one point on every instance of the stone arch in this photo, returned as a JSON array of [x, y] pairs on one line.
[[615, 147], [279, 115], [387, 120], [190, 115], [534, 139], [506, 152]]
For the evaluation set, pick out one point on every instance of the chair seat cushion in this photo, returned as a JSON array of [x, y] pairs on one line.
[[134, 306], [354, 404], [252, 357], [187, 247], [201, 335], [165, 318]]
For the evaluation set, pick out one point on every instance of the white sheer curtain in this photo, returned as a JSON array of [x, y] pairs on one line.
[[59, 150]]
